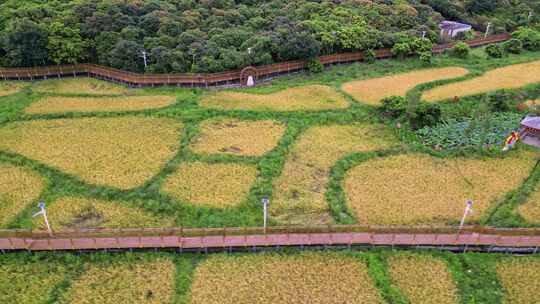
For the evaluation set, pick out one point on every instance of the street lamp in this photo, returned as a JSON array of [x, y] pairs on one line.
[[43, 212], [265, 201]]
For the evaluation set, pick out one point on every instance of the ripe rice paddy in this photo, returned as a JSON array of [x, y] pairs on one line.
[[530, 210], [75, 213], [140, 282], [304, 98], [423, 279], [299, 191], [211, 185], [30, 282], [18, 188], [81, 85], [520, 279], [406, 189], [121, 152], [303, 278], [8, 88], [56, 104], [232, 136], [510, 77], [371, 91]]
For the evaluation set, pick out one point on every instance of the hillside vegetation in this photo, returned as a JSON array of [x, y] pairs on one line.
[[217, 35]]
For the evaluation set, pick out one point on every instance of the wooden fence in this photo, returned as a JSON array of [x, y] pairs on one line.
[[206, 80]]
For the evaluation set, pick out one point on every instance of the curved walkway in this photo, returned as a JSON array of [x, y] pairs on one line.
[[206, 80]]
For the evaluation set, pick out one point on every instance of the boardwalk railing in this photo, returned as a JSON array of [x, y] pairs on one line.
[[485, 238], [205, 80]]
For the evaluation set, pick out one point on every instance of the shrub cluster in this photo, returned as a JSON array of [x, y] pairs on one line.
[[413, 47], [417, 115], [461, 50]]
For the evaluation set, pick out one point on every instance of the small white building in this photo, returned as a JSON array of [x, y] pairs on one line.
[[450, 29]]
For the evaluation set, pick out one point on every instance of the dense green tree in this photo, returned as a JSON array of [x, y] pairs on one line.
[[126, 55], [65, 44], [212, 35], [24, 43]]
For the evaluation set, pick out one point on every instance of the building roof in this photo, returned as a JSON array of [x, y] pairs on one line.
[[532, 122], [452, 26]]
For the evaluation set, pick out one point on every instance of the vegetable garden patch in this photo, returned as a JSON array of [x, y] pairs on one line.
[[420, 189], [122, 152], [82, 85], [231, 136], [423, 279], [140, 282], [302, 278], [509, 77], [18, 188], [299, 191], [520, 278], [372, 91], [304, 98], [211, 185], [56, 104], [74, 213]]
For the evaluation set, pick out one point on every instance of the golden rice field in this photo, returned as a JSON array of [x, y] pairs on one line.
[[303, 278], [19, 187], [520, 278], [81, 85], [236, 137], [121, 152], [308, 98], [140, 282], [59, 104], [419, 189], [29, 283], [299, 191], [72, 212], [530, 210], [211, 185], [423, 279], [8, 88], [510, 77], [371, 91]]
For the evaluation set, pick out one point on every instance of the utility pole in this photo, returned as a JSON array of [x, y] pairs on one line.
[[487, 30]]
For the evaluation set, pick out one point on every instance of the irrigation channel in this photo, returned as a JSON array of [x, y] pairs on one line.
[[470, 238], [223, 79]]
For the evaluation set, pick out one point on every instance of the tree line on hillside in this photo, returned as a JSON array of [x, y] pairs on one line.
[[215, 35]]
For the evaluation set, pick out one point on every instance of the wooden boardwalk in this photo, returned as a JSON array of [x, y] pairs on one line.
[[213, 79], [215, 242]]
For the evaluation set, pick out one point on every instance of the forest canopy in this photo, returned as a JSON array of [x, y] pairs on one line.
[[216, 35]]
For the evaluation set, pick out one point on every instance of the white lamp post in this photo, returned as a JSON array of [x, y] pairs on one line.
[[265, 201], [43, 212], [468, 209]]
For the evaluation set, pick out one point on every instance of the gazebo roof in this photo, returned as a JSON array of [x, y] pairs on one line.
[[532, 122], [452, 25]]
